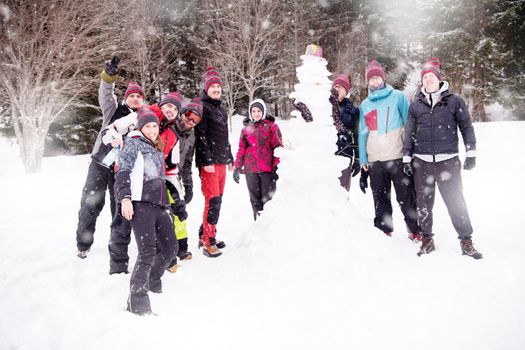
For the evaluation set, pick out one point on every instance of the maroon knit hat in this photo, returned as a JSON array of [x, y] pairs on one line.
[[374, 69], [133, 87], [342, 79], [194, 106], [173, 97], [211, 77], [144, 116], [433, 66]]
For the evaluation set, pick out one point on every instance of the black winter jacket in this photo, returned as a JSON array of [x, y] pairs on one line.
[[211, 135], [349, 115], [187, 148], [435, 130]]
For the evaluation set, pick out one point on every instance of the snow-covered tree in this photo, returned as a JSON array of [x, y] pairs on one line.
[[48, 51], [245, 34]]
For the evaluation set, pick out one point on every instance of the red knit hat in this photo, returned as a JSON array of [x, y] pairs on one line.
[[342, 79], [374, 69], [194, 106], [133, 87], [211, 77], [174, 98], [433, 66], [144, 116]]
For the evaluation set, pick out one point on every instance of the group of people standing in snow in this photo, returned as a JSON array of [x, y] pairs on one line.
[[144, 155], [410, 145]]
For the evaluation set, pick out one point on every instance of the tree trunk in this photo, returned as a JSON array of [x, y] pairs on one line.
[[33, 155], [31, 142], [478, 107]]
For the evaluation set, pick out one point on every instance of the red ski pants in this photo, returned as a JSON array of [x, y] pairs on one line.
[[212, 186]]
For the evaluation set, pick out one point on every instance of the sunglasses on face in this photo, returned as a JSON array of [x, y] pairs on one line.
[[192, 118]]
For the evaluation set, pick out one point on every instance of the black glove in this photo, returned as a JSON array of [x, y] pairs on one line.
[[188, 194], [236, 175], [275, 177], [342, 140], [179, 209], [407, 169], [334, 97], [470, 163], [344, 147], [363, 181], [355, 167], [112, 65]]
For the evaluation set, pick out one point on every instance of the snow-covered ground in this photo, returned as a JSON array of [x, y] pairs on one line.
[[311, 273]]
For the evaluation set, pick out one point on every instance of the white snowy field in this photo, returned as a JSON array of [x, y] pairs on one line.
[[311, 273]]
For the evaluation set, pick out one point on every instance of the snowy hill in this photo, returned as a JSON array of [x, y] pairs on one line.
[[311, 273]]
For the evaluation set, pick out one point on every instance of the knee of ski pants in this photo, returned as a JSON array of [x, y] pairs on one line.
[[214, 210]]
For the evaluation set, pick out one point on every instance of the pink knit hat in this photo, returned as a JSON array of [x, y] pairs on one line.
[[342, 79], [133, 87], [211, 77], [433, 66], [374, 69]]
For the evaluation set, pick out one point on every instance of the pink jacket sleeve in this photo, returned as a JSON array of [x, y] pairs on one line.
[[241, 152]]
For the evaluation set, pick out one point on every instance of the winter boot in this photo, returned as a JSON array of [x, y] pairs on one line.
[[186, 256], [82, 254], [173, 268], [427, 245], [468, 249], [211, 251], [414, 237], [218, 244]]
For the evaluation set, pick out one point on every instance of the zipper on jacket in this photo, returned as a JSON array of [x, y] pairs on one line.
[[432, 129], [387, 117]]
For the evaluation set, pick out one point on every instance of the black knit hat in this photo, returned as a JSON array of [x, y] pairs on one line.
[[174, 98], [194, 106], [145, 116]]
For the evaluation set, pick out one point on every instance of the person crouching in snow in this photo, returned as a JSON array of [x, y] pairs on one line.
[[140, 188], [430, 152], [258, 140]]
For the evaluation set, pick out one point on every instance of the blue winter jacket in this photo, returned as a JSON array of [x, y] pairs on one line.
[[383, 115]]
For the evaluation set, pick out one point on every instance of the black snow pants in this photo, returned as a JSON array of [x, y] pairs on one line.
[[157, 246], [262, 187], [99, 178], [382, 176], [447, 175], [119, 240]]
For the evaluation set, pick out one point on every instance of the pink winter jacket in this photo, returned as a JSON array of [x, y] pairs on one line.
[[256, 146]]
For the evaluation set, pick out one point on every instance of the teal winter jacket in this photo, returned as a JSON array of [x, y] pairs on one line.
[[382, 118]]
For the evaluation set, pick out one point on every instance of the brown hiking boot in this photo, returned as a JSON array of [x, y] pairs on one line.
[[468, 249], [427, 245], [211, 251], [173, 268], [217, 243]]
